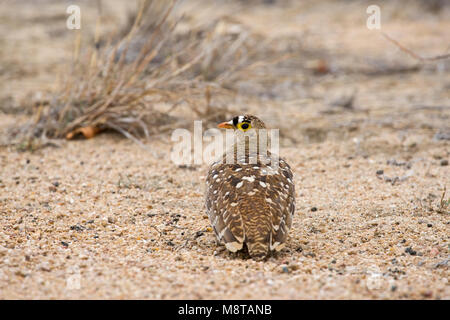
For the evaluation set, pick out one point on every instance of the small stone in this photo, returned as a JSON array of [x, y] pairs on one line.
[[111, 220], [294, 267], [198, 234], [313, 209], [410, 251], [20, 273], [45, 267], [380, 172], [443, 263], [284, 268], [444, 162], [442, 135], [77, 227], [170, 243], [434, 252], [427, 294], [429, 225], [55, 183]]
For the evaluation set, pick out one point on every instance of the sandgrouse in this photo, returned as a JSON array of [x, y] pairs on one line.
[[250, 199]]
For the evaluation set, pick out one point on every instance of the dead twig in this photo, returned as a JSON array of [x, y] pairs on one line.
[[444, 204], [412, 53]]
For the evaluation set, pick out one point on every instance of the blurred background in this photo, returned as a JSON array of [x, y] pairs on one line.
[[311, 66]]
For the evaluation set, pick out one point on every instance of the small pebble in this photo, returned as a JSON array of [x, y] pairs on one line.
[[20, 273], [284, 268], [45, 267], [313, 209], [294, 267], [77, 227], [380, 172], [310, 254], [444, 162], [170, 243], [434, 252], [427, 294], [410, 251], [198, 234]]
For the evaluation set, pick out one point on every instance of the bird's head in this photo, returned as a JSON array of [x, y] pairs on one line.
[[243, 123]]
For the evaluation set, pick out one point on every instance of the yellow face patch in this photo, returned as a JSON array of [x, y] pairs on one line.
[[244, 126]]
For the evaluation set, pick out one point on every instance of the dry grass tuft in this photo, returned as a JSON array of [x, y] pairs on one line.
[[105, 90], [159, 75]]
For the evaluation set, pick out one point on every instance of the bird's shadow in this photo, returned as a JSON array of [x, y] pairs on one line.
[[244, 254]]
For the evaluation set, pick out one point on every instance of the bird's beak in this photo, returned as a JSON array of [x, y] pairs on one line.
[[226, 125]]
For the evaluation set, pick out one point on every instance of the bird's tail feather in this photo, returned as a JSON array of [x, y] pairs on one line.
[[258, 250]]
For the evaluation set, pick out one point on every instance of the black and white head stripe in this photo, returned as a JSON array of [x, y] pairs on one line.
[[241, 119]]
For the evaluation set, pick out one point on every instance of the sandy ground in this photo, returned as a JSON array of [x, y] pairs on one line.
[[104, 218]]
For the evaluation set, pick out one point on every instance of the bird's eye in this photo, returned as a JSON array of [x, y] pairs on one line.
[[245, 126]]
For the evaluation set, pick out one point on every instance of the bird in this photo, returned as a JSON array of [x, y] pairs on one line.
[[250, 200]]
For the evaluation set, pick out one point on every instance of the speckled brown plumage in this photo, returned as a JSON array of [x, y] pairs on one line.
[[250, 201]]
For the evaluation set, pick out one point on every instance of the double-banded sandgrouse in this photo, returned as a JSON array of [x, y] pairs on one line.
[[250, 193]]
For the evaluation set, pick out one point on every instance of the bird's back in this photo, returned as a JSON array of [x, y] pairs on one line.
[[251, 202]]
